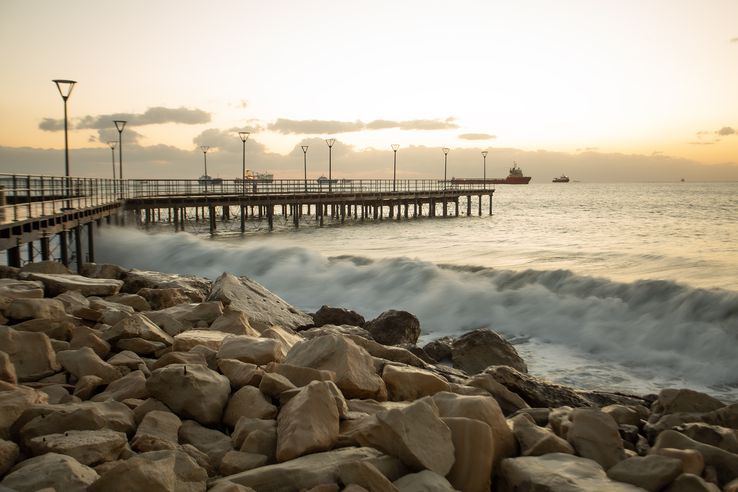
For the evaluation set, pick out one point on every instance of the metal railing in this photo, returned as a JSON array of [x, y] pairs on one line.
[[32, 196]]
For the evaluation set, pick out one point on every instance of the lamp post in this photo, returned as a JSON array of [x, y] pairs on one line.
[[394, 167], [65, 90], [305, 164], [484, 156], [330, 142], [120, 125], [244, 136], [445, 164], [112, 144], [205, 149]]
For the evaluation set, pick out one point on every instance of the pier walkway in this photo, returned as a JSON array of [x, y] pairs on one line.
[[47, 214]]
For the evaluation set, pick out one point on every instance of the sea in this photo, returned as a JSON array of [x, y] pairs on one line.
[[629, 287]]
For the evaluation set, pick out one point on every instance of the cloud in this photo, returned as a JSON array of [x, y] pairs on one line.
[[316, 127], [726, 130], [152, 116], [702, 142], [734, 40], [228, 141], [477, 136]]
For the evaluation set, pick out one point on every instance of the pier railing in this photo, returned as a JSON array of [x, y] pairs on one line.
[[32, 196]]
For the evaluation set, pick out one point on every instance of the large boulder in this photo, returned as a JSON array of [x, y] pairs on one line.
[[652, 472], [474, 454], [410, 383], [257, 436], [262, 308], [21, 289], [47, 309], [536, 392], [186, 340], [394, 327], [594, 435], [89, 447], [158, 430], [353, 366], [254, 350], [197, 314], [31, 353], [46, 266], [476, 350], [14, 401], [424, 481], [213, 443], [308, 423], [196, 288], [556, 472], [314, 469], [328, 315], [194, 391], [165, 297], [672, 400], [725, 463], [55, 284], [156, 471], [235, 322], [130, 386], [135, 301], [50, 471], [415, 434], [136, 326], [9, 452], [84, 362], [509, 401], [248, 402], [535, 440]]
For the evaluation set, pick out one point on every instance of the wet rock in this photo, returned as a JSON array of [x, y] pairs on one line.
[[415, 434], [536, 392], [84, 362], [394, 327], [328, 315], [9, 452], [725, 463], [55, 284], [158, 430], [262, 308], [353, 366], [484, 409], [556, 472], [21, 289], [89, 447], [439, 349], [409, 383], [652, 472], [259, 351], [248, 402], [23, 309], [51, 470], [308, 423], [191, 391], [213, 443], [594, 435], [31, 353], [535, 440], [476, 350], [168, 470], [314, 469]]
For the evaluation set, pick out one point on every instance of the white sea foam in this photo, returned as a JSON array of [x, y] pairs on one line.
[[587, 331]]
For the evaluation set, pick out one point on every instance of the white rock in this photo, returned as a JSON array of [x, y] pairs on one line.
[[21, 289], [186, 340]]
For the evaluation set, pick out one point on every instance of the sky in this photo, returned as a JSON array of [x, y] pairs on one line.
[[604, 91]]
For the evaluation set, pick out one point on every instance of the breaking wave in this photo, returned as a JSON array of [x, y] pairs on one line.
[[655, 329]]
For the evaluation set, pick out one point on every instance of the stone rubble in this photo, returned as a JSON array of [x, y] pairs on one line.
[[131, 380]]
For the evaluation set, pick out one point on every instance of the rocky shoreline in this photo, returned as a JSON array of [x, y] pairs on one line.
[[122, 379]]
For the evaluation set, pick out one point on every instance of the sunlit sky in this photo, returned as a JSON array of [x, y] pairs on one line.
[[652, 78]]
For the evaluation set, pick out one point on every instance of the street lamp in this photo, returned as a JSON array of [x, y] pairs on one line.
[[244, 136], [394, 167], [65, 89], [120, 125], [305, 164], [205, 149], [484, 155], [112, 144], [445, 164], [330, 142]]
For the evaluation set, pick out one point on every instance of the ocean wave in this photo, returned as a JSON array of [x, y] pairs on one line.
[[651, 327]]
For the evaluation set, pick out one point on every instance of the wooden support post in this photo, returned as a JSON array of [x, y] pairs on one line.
[[30, 251], [63, 249], [14, 257], [226, 213], [295, 216], [270, 216], [243, 218], [490, 203], [78, 247], [211, 216], [319, 210], [46, 248], [343, 212], [407, 206], [456, 203], [391, 213], [468, 205], [182, 218], [445, 207], [90, 243], [176, 220], [479, 201]]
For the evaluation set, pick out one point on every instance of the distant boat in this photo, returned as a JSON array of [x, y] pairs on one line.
[[561, 179], [250, 175], [206, 180], [515, 176], [324, 180]]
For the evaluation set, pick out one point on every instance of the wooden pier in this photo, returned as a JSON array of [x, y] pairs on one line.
[[36, 209]]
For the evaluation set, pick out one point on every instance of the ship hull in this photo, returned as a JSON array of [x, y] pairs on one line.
[[478, 181]]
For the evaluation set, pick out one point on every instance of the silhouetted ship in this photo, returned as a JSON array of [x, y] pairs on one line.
[[561, 179], [206, 180], [514, 178]]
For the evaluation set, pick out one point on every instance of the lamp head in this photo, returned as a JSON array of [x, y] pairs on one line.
[[484, 153], [330, 141], [65, 87], [205, 148], [120, 125], [445, 150], [395, 147], [244, 135], [304, 148], [112, 143]]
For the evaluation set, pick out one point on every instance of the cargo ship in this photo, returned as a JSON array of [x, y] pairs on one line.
[[561, 179], [515, 177]]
